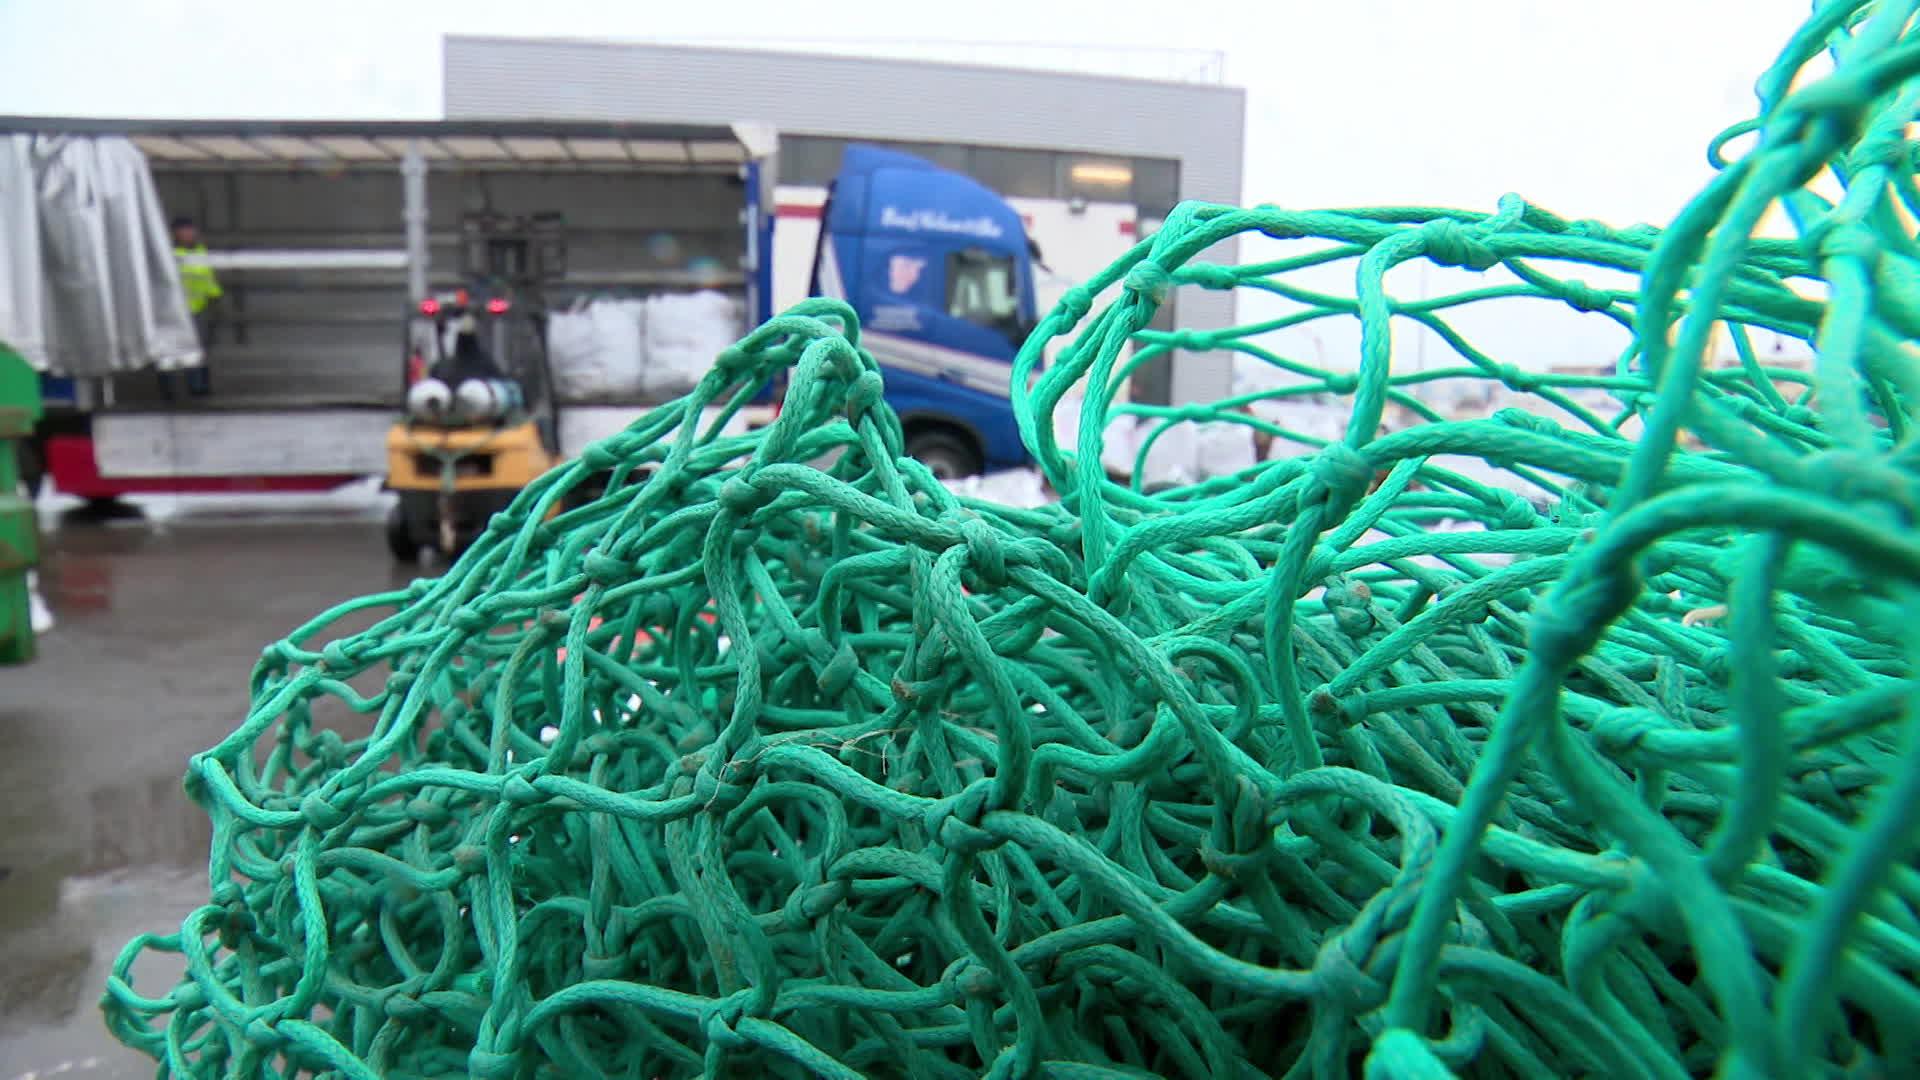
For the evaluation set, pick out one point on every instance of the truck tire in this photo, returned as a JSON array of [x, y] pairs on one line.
[[947, 454], [400, 539]]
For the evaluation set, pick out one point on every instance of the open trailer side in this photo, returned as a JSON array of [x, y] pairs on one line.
[[326, 235]]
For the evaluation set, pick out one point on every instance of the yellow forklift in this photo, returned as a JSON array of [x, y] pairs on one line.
[[481, 418]]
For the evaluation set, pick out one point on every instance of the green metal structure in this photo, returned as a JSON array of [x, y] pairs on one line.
[[19, 540]]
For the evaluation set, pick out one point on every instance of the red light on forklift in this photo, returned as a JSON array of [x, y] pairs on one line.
[[429, 306], [496, 306]]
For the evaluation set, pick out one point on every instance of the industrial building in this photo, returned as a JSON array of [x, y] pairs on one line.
[[1090, 159]]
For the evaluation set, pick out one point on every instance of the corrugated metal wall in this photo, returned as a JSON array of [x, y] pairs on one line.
[[1201, 125]]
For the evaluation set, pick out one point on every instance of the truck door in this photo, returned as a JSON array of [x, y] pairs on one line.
[[939, 271]]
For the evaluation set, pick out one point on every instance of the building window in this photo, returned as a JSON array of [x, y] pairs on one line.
[[1015, 173], [946, 155], [1156, 186], [812, 160], [1095, 179]]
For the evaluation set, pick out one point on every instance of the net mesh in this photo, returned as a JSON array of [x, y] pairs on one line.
[[1592, 755]]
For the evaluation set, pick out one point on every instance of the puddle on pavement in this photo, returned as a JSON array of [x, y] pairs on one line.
[[157, 628]]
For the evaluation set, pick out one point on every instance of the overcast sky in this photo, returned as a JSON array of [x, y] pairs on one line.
[[1593, 109]]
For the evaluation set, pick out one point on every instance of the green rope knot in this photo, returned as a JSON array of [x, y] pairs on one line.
[[1323, 704], [596, 966], [1851, 241], [1519, 378], [518, 789], [1526, 421], [338, 656], [734, 360], [986, 551], [719, 1021], [1620, 732], [194, 784], [1276, 228], [470, 621], [236, 924], [1343, 383], [967, 978], [954, 822], [426, 811], [1208, 275], [603, 569], [1583, 297], [1340, 477], [1717, 665], [274, 659], [1352, 608], [597, 457], [328, 748], [807, 904], [839, 672], [1579, 611], [402, 1006], [1193, 340], [1340, 982], [492, 1065], [864, 393], [1799, 415], [1448, 243], [321, 813], [717, 795], [742, 496], [1073, 305], [265, 1034], [1148, 279], [1512, 511], [470, 859]]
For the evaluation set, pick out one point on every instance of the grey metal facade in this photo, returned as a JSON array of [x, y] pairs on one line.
[[1200, 125]]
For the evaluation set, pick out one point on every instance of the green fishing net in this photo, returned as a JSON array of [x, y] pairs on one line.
[[1574, 739]]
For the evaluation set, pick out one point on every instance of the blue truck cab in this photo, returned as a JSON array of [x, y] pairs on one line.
[[940, 271]]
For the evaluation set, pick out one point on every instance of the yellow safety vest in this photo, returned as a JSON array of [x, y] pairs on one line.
[[197, 278]]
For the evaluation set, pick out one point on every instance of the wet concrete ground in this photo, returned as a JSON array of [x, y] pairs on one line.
[[158, 625]]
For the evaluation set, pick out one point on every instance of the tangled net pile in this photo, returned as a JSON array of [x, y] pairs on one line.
[[749, 766]]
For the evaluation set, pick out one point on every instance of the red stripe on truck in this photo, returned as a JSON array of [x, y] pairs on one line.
[[797, 210]]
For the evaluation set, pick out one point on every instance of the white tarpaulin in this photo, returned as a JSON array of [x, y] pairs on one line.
[[88, 283]]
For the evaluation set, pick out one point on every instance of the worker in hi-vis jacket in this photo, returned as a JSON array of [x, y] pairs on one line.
[[202, 289]]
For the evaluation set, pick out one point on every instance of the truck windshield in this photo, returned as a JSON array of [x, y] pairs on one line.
[[983, 290]]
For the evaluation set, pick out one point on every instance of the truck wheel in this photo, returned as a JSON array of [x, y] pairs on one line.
[[400, 539], [946, 455]]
